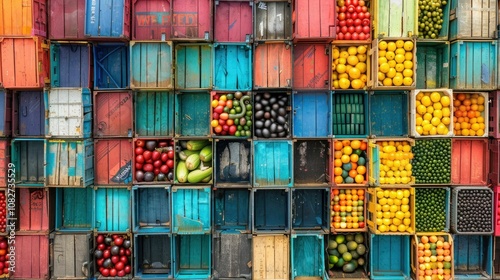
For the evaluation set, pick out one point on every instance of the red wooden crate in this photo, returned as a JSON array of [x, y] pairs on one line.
[[113, 114], [494, 175], [311, 66], [496, 205], [494, 116], [151, 19], [35, 210], [233, 20], [66, 19], [469, 161], [272, 65], [314, 20], [113, 162], [4, 161], [32, 257], [192, 20]]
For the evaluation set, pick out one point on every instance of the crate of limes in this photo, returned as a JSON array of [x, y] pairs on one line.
[[432, 161], [432, 256], [432, 209], [391, 210], [431, 113], [390, 162], [350, 66]]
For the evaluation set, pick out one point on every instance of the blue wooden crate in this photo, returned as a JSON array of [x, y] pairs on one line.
[[350, 114], [112, 210], [311, 162], [473, 256], [111, 66], [273, 162], [192, 256], [271, 210], [311, 114], [29, 113], [307, 256], [232, 66], [192, 114], [473, 65], [152, 256], [151, 209], [395, 263], [154, 113], [388, 113], [232, 163], [71, 64], [232, 210], [69, 163], [433, 61], [107, 19], [191, 210], [231, 255], [28, 158], [310, 209], [193, 66], [74, 209], [151, 65], [5, 113]]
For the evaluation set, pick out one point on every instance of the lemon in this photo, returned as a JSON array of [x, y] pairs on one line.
[[445, 100], [435, 96], [354, 73], [400, 43], [382, 60], [400, 58], [381, 53], [344, 54], [390, 55], [391, 73], [421, 109], [356, 83], [437, 105], [400, 51], [392, 63], [400, 67], [361, 66], [408, 45], [397, 80], [387, 82], [391, 46], [352, 60], [408, 64], [409, 56], [344, 83], [352, 50], [361, 57], [408, 73], [384, 67], [382, 45], [341, 68], [361, 49], [426, 101], [381, 76], [446, 112], [407, 81], [438, 114], [435, 121], [335, 53]]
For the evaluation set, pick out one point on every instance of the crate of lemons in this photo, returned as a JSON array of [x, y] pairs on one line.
[[350, 67], [394, 64]]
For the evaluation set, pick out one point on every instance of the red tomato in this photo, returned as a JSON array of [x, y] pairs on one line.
[[355, 3], [342, 23], [362, 36], [366, 29], [101, 246], [139, 150], [343, 9], [139, 143], [100, 262], [162, 144], [147, 155], [355, 36], [5, 270], [112, 272], [138, 166], [120, 273], [164, 157], [2, 258], [350, 9], [222, 122], [367, 15], [156, 171], [115, 259], [219, 109], [170, 163], [164, 169], [3, 244], [358, 9], [358, 29], [155, 155], [139, 159], [232, 129], [225, 127], [366, 22], [118, 241], [358, 22], [157, 163], [354, 15], [349, 22], [128, 252], [127, 269], [171, 154], [348, 2], [148, 167], [124, 259], [340, 36], [364, 9], [106, 254], [343, 29], [350, 29], [1, 266], [105, 272], [122, 252], [100, 239], [348, 36], [215, 116], [341, 16]]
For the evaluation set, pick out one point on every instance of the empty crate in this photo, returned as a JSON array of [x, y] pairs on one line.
[[28, 18], [113, 114], [72, 255], [232, 66], [74, 209], [71, 64], [153, 256], [151, 209], [271, 210], [273, 163], [154, 116], [5, 163], [151, 20], [113, 162], [395, 18], [314, 20], [388, 113], [192, 114], [311, 114], [6, 113], [433, 60], [396, 261], [28, 159], [473, 19], [192, 20], [191, 210], [231, 255], [272, 67], [470, 162], [271, 257], [70, 113], [192, 256], [473, 256], [111, 66], [193, 66], [33, 251], [311, 162], [29, 113], [310, 209], [151, 65], [112, 210], [232, 163], [107, 19], [233, 21], [35, 210], [232, 210], [70, 23], [69, 163], [273, 20], [311, 69], [307, 256]]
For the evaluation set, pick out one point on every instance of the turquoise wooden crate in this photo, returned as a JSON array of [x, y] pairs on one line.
[[271, 211], [232, 210], [473, 65], [192, 114], [28, 158], [388, 113], [273, 163], [69, 163], [473, 256], [74, 209], [154, 113], [112, 210], [350, 114], [151, 65], [307, 256], [152, 248], [395, 263], [191, 210], [193, 66], [395, 19], [232, 66], [151, 211], [192, 256], [311, 114], [433, 65], [473, 19]]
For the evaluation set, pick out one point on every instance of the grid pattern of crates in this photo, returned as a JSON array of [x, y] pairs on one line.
[[175, 62]]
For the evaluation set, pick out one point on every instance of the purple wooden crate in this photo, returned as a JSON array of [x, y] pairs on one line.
[[29, 113]]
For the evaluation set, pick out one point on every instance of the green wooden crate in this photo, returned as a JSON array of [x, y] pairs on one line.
[[395, 18]]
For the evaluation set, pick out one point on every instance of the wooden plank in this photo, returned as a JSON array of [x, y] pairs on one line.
[[396, 18]]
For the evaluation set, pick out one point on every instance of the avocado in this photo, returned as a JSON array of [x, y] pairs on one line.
[[348, 267]]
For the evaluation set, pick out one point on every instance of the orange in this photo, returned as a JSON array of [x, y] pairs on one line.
[[361, 192], [363, 146], [354, 158], [355, 144], [338, 145], [359, 178], [337, 171], [461, 96], [337, 154], [346, 143], [345, 159], [336, 208], [361, 170], [353, 173], [338, 162], [336, 191], [339, 179]]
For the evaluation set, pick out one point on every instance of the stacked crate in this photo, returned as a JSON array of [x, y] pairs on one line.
[[25, 73]]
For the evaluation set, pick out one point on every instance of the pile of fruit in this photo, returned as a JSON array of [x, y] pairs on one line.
[[113, 255], [433, 113], [395, 63], [353, 20], [346, 252], [350, 161], [395, 162], [349, 68], [432, 161], [347, 209], [271, 115], [232, 114], [154, 160], [393, 210], [430, 18], [3, 212], [4, 257], [194, 163], [469, 114], [434, 256], [430, 209], [474, 210]]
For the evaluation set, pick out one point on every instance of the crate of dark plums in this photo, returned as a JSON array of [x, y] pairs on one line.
[[472, 210]]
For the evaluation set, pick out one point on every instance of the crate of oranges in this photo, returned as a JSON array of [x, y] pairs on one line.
[[431, 113], [350, 161], [391, 162], [470, 113], [348, 209], [393, 64], [432, 256], [350, 66]]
